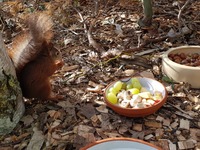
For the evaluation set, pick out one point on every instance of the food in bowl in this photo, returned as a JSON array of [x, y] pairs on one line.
[[180, 72], [191, 59], [132, 94], [151, 85]]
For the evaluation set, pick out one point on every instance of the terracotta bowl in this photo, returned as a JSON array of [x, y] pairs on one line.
[[151, 85], [179, 72], [120, 144]]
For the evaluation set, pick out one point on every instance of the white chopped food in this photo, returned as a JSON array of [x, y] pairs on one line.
[[125, 103], [145, 95], [140, 100], [135, 100]]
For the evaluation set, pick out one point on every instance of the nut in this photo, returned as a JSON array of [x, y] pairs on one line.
[[192, 59]]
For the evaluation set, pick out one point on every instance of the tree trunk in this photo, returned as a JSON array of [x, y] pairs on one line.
[[11, 100], [148, 13]]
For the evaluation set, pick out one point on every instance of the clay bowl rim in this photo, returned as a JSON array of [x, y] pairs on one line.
[[134, 109], [120, 139], [166, 57]]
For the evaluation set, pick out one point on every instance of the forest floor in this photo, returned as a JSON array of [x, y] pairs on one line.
[[91, 37]]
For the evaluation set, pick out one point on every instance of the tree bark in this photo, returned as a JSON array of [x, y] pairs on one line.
[[11, 100], [148, 13]]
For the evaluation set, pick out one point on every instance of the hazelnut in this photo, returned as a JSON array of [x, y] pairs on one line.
[[195, 55], [177, 60], [182, 55]]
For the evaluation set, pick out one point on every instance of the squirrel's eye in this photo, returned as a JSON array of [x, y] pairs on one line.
[[57, 53]]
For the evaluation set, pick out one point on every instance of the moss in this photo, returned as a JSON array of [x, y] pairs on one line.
[[9, 89]]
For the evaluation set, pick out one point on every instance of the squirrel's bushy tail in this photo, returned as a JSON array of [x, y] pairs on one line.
[[27, 45]]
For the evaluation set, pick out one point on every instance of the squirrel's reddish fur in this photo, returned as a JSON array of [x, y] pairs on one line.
[[35, 58]]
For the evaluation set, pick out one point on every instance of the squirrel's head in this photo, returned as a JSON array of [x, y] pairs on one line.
[[56, 55], [53, 54]]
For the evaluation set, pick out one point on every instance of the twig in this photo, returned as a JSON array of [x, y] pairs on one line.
[[148, 41], [180, 13], [98, 64], [82, 19], [91, 40], [181, 112], [147, 51], [96, 7]]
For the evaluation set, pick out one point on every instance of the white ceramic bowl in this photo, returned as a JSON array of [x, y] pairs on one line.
[[182, 73], [120, 144]]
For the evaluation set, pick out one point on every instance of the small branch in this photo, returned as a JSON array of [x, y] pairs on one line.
[[180, 13], [91, 40], [146, 42], [82, 20], [156, 40], [96, 7]]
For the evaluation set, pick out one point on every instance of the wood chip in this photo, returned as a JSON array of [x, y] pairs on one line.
[[159, 118], [181, 138], [153, 124], [137, 127], [113, 135], [198, 134], [148, 137], [184, 124], [166, 122], [183, 115], [171, 145], [195, 134], [129, 72], [147, 74], [97, 89], [36, 141], [102, 109], [94, 118], [93, 84], [178, 132], [186, 144], [174, 125], [159, 133], [197, 107], [164, 144], [193, 98], [69, 68]]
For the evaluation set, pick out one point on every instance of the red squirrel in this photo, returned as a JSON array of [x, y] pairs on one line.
[[35, 58]]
